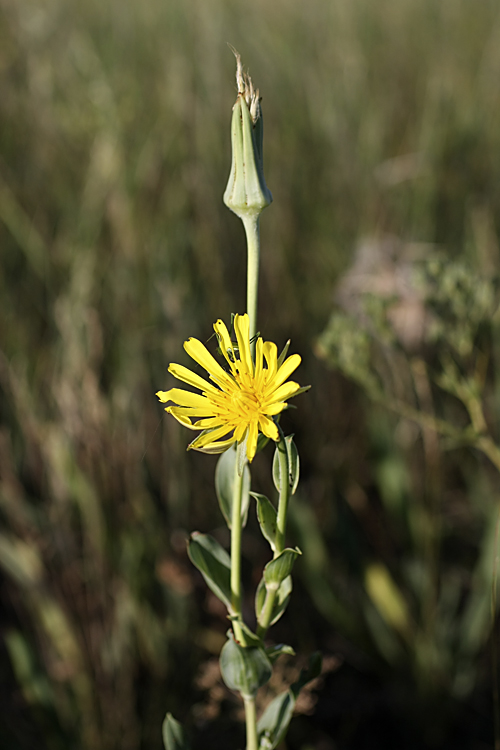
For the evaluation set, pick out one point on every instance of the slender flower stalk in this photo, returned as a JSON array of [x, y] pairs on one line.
[[252, 230]]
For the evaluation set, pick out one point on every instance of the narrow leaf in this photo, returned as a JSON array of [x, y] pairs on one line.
[[266, 514], [293, 465], [214, 564], [274, 722], [224, 486], [173, 734], [281, 648]]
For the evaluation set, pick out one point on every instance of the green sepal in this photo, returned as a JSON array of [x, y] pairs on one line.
[[224, 486], [273, 723], [293, 465], [284, 352], [280, 568], [244, 669], [250, 639], [214, 564], [241, 455], [280, 603], [173, 734], [281, 648], [267, 515]]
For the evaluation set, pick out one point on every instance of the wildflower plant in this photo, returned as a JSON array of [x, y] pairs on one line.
[[236, 410]]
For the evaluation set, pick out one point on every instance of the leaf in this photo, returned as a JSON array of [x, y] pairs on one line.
[[293, 465], [173, 734], [244, 669], [280, 603], [214, 564], [224, 486], [280, 568], [273, 652], [273, 723], [266, 514]]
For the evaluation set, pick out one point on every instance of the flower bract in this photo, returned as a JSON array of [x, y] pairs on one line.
[[239, 401]]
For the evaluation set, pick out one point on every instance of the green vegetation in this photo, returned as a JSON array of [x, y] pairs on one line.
[[383, 155]]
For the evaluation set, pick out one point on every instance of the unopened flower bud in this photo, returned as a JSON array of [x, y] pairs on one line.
[[246, 193]]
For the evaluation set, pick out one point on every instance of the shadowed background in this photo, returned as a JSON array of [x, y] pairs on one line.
[[381, 133]]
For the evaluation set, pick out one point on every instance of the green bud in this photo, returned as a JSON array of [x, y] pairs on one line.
[[246, 193]]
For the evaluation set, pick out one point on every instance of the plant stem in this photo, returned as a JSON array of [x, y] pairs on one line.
[[251, 722], [236, 551], [251, 224]]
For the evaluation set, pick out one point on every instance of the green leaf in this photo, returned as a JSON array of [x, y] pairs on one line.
[[244, 669], [266, 514], [293, 465], [273, 723], [280, 568], [214, 564], [281, 648], [280, 603], [224, 486], [173, 734]]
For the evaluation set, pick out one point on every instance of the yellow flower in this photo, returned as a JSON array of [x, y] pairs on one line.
[[240, 402]]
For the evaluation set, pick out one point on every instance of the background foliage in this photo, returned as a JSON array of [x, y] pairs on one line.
[[382, 150]]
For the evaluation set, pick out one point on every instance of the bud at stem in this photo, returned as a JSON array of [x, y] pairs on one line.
[[246, 193]]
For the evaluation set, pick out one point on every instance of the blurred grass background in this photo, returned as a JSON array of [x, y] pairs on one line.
[[381, 120]]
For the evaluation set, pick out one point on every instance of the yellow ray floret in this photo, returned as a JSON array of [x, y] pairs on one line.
[[238, 403]]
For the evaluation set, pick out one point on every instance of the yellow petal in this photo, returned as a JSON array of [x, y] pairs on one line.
[[214, 448], [282, 393], [253, 434], [268, 427], [272, 409], [210, 437], [200, 354], [271, 357], [259, 364], [242, 330], [225, 342], [240, 430], [207, 424], [191, 378], [163, 396], [186, 398], [289, 365], [185, 421]]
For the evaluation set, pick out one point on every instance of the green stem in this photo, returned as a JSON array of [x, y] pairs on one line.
[[279, 544], [251, 224], [251, 722], [236, 526]]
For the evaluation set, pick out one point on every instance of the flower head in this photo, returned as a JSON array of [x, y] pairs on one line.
[[241, 401]]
